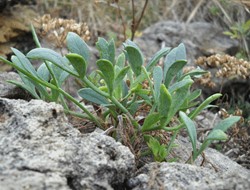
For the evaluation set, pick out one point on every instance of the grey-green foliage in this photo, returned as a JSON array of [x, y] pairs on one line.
[[118, 88]]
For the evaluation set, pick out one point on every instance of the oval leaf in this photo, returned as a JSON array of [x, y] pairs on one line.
[[108, 73], [76, 45], [158, 77], [121, 60], [204, 104], [154, 60], [216, 134], [78, 63], [172, 70], [43, 72], [165, 101], [53, 57], [92, 96], [24, 62], [106, 49], [121, 75], [135, 59], [190, 128], [226, 123]]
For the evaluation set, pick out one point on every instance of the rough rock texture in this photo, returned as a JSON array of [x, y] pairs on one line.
[[40, 150], [184, 176], [216, 172], [214, 160], [11, 91], [199, 38]]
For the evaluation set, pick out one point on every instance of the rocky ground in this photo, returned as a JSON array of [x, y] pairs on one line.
[[40, 148]]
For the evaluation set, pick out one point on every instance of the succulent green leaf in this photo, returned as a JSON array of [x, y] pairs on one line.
[[226, 123], [178, 85], [195, 72], [135, 59], [204, 105], [190, 128], [179, 96], [189, 101], [106, 49], [194, 95], [78, 63], [138, 80], [108, 73], [24, 62], [77, 45], [130, 43], [53, 57], [133, 108], [158, 77], [165, 101], [120, 62], [29, 83], [43, 72], [216, 134], [59, 74], [92, 96], [121, 75], [150, 122], [154, 60], [171, 70], [144, 95], [174, 62]]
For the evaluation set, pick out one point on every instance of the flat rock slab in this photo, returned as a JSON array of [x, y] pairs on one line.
[[176, 176], [200, 38], [39, 149], [211, 159]]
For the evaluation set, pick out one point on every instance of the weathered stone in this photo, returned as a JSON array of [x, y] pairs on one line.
[[211, 159], [184, 176], [199, 38], [11, 91], [212, 171], [39, 149]]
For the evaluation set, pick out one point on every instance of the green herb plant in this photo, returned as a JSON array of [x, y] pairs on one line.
[[120, 87], [241, 32]]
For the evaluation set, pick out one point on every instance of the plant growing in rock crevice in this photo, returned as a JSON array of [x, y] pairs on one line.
[[120, 90]]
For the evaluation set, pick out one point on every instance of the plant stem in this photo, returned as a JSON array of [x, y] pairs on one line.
[[135, 23], [93, 87], [91, 116], [170, 145], [83, 116], [44, 83], [38, 44], [112, 98], [125, 111]]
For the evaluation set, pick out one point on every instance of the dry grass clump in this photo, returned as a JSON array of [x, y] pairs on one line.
[[55, 30]]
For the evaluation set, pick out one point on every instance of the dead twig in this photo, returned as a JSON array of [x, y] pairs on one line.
[[135, 24]]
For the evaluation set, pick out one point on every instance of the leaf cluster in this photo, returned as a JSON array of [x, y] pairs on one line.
[[120, 87]]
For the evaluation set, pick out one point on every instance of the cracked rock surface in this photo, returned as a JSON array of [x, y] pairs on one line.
[[179, 176], [39, 149]]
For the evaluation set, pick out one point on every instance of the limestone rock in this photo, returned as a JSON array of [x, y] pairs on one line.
[[184, 176], [199, 38], [214, 160], [39, 149]]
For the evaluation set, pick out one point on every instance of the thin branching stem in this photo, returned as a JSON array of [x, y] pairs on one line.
[[135, 24]]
